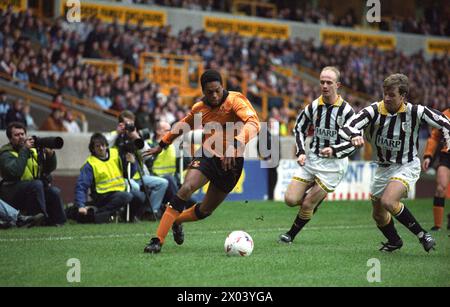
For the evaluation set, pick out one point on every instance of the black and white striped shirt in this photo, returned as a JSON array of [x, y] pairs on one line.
[[326, 120], [395, 136]]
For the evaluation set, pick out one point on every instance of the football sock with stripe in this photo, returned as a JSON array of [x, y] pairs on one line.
[[300, 221], [405, 217]]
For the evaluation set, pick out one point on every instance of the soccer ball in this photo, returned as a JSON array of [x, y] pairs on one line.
[[238, 243]]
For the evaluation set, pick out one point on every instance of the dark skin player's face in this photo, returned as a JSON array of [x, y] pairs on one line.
[[213, 92]]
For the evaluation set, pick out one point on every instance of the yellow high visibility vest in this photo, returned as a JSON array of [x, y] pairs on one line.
[[166, 162], [108, 174], [32, 168]]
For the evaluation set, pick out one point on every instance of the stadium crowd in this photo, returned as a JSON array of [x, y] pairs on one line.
[[51, 54], [431, 21], [57, 63]]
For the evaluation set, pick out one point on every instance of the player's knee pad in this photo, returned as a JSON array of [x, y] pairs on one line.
[[200, 215]]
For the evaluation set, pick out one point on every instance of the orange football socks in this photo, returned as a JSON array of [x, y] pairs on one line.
[[187, 215], [167, 220]]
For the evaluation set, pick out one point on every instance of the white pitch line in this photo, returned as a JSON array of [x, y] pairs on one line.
[[198, 232]]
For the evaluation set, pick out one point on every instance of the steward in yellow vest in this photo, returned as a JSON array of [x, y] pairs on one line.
[[165, 163], [102, 174]]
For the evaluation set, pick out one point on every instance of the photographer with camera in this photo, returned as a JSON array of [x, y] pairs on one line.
[[26, 174], [102, 173], [127, 139]]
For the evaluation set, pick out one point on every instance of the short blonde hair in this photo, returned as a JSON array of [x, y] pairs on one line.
[[333, 69]]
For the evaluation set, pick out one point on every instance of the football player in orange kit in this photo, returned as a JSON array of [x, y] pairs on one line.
[[442, 175], [221, 161]]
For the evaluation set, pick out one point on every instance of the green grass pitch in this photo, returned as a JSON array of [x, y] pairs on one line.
[[332, 250]]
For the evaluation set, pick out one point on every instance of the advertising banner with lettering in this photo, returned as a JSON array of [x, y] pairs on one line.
[[345, 38], [354, 186], [17, 5], [438, 46], [246, 28], [123, 14]]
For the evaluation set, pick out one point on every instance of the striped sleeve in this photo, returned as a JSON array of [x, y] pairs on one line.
[[345, 149], [437, 120], [304, 120], [349, 114], [358, 123]]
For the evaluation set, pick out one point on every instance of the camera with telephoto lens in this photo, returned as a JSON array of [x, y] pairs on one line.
[[48, 142], [126, 145], [144, 133]]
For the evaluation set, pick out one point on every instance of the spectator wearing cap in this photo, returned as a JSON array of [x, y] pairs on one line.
[[54, 121]]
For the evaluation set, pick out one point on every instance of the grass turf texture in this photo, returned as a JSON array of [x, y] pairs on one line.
[[332, 250]]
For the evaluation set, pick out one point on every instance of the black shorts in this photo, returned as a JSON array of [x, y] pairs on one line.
[[212, 169], [444, 159]]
